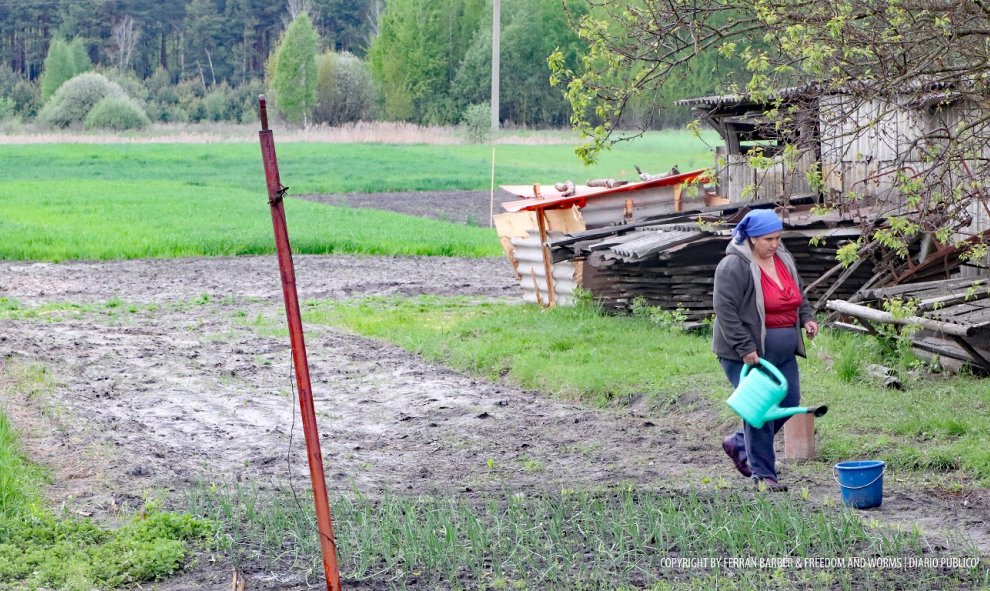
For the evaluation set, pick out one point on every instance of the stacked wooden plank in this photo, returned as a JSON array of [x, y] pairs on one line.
[[673, 266], [953, 316]]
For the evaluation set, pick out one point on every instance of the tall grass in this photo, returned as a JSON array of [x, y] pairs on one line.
[[936, 424], [15, 486], [571, 540]]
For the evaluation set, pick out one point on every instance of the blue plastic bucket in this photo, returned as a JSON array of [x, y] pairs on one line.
[[861, 483]]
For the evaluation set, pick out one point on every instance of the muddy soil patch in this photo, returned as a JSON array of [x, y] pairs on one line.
[[175, 373]]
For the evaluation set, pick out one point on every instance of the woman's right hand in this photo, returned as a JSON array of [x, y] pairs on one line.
[[751, 358]]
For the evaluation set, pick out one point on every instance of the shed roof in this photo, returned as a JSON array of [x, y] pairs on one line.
[[553, 199]]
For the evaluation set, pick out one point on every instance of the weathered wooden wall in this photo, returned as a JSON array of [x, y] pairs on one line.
[[739, 181]]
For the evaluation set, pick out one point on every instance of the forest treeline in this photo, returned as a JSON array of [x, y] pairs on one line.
[[424, 61]]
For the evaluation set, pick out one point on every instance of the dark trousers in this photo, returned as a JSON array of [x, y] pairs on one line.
[[781, 345]]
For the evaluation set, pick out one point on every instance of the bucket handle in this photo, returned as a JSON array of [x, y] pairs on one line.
[[771, 370], [835, 474]]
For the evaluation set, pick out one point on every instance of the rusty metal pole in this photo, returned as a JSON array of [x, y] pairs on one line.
[[312, 435]]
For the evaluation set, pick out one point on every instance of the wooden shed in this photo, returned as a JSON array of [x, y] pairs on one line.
[[863, 149]]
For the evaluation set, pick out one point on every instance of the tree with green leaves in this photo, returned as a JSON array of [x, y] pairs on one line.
[[531, 30], [344, 89], [203, 27], [292, 70], [64, 61], [909, 75], [415, 57]]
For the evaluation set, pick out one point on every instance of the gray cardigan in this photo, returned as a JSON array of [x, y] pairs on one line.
[[740, 315]]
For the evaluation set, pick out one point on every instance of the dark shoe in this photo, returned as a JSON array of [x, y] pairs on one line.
[[767, 484], [735, 455]]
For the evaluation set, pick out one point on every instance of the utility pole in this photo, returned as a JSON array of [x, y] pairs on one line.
[[496, 33]]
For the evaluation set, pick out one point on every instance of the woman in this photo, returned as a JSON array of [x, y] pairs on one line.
[[759, 312]]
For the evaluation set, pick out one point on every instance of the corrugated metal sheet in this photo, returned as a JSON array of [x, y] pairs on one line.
[[648, 242], [533, 276], [628, 207]]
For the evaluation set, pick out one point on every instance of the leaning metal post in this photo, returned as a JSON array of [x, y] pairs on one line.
[[275, 193]]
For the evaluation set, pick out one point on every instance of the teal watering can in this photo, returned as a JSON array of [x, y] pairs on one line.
[[759, 393]]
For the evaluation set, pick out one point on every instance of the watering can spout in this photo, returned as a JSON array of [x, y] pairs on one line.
[[775, 412], [759, 393]]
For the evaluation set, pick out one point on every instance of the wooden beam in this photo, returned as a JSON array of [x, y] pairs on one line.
[[977, 357], [864, 313], [839, 282], [953, 299], [541, 218]]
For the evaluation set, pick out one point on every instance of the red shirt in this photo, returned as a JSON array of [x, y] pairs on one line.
[[780, 302]]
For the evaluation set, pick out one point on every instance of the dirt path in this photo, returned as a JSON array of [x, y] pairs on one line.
[[466, 207], [172, 376], [189, 387]]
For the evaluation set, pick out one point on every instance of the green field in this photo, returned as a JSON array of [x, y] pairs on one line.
[[137, 200]]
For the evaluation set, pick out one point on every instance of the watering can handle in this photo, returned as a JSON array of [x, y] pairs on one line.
[[771, 369], [835, 475]]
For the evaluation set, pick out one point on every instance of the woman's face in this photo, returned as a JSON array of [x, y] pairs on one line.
[[765, 246]]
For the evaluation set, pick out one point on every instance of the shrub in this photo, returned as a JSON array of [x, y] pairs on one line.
[[246, 97], [133, 86], [344, 91], [477, 122], [190, 99], [119, 113], [7, 108], [22, 93], [27, 97], [216, 103], [74, 99]]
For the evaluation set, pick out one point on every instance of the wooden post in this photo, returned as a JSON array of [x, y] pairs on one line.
[[799, 437], [547, 260]]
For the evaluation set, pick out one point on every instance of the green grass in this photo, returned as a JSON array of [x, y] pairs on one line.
[[568, 352], [87, 219], [117, 201], [17, 483], [937, 424], [42, 549], [621, 539], [345, 168]]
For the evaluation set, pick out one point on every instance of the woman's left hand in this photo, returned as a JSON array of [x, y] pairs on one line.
[[811, 327]]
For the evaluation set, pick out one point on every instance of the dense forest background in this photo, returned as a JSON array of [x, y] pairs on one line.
[[423, 61]]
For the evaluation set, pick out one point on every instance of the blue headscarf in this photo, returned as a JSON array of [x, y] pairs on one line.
[[757, 222]]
